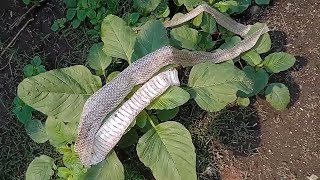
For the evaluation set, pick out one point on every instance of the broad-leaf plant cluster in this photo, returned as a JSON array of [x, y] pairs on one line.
[[162, 144]]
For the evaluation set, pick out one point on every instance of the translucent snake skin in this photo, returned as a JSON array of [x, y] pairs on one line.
[[95, 141]]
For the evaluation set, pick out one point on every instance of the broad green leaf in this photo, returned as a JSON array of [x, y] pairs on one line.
[[152, 36], [172, 98], [264, 44], [197, 20], [113, 75], [224, 6], [168, 151], [130, 138], [188, 3], [277, 62], [148, 126], [243, 101], [242, 6], [98, 60], [71, 12], [21, 110], [146, 6], [162, 10], [277, 94], [262, 2], [81, 14], [133, 18], [64, 172], [75, 23], [60, 133], [36, 131], [168, 114], [206, 42], [40, 168], [208, 23], [141, 119], [118, 38], [70, 3], [185, 37], [259, 77], [215, 85], [109, 169], [231, 42], [61, 92], [252, 58]]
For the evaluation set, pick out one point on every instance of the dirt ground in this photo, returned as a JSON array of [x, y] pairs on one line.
[[282, 145], [290, 140]]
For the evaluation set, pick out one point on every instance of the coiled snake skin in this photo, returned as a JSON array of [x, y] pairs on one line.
[[95, 141]]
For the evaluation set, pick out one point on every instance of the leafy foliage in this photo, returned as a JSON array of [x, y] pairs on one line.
[[61, 93], [40, 168]]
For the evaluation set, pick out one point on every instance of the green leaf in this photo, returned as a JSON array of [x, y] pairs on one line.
[[60, 93], [70, 3], [231, 42], [118, 38], [97, 59], [206, 42], [243, 101], [172, 98], [130, 138], [75, 23], [262, 2], [168, 151], [141, 119], [152, 36], [28, 70], [40, 168], [133, 18], [71, 12], [90, 13], [263, 45], [188, 3], [252, 58], [60, 133], [71, 159], [113, 75], [162, 10], [277, 62], [55, 26], [277, 94], [109, 169], [36, 61], [242, 6], [224, 6], [259, 77], [36, 131], [113, 5], [168, 114], [63, 172], [215, 85], [81, 14], [21, 110], [185, 37], [146, 6], [208, 23], [26, 2]]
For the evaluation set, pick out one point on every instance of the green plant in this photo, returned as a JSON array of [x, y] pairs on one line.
[[61, 93], [58, 24]]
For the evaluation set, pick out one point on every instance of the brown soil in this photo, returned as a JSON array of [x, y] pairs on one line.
[[287, 144], [290, 140]]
